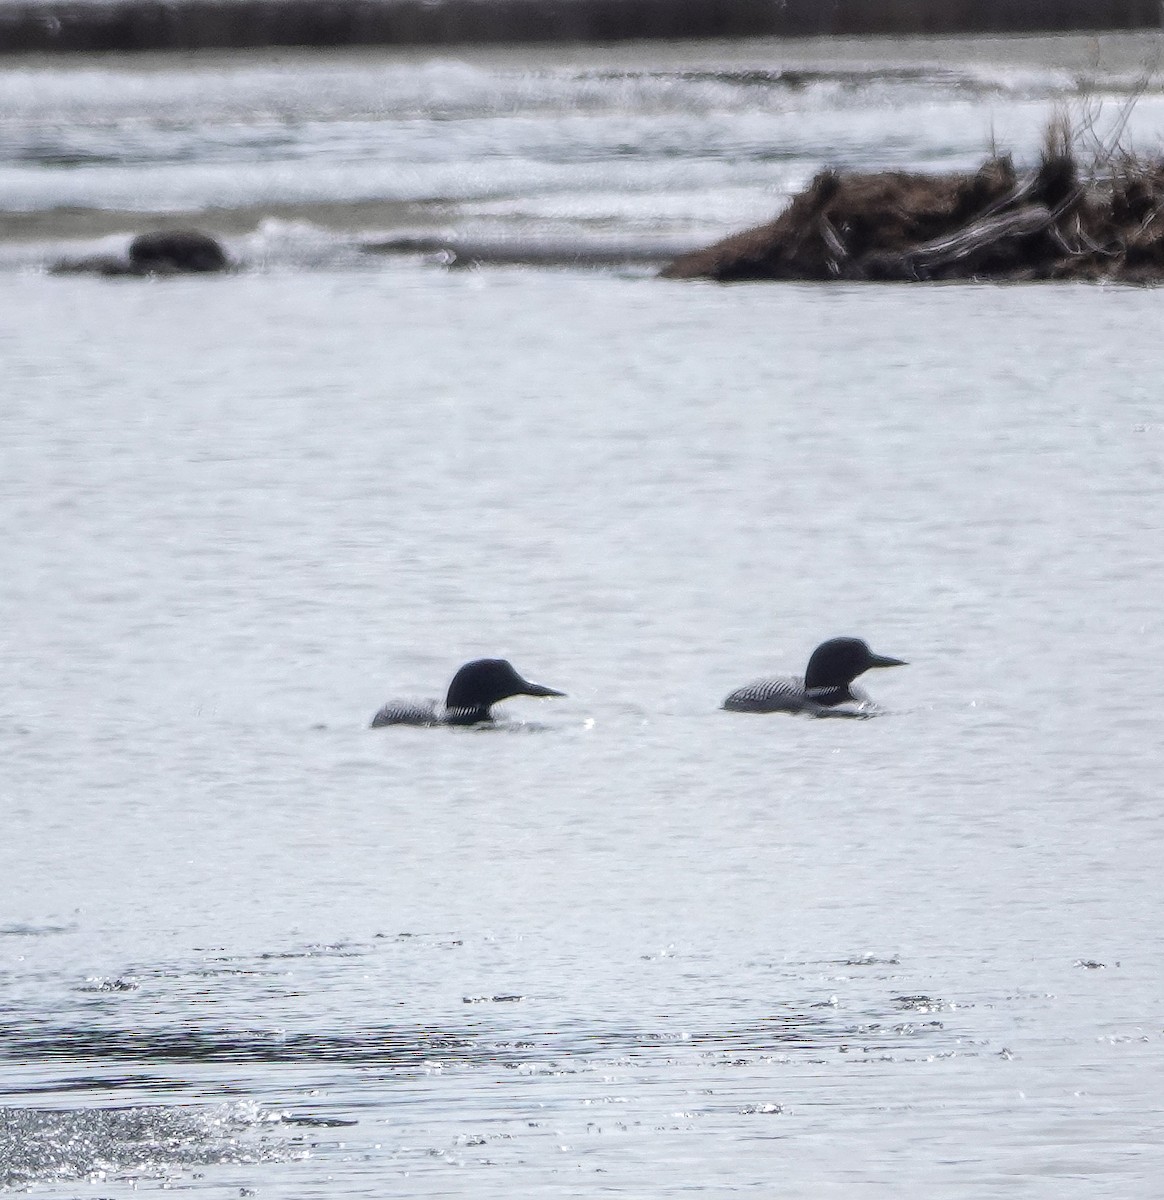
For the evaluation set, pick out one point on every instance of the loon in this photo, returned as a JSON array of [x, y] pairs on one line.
[[826, 683], [476, 687]]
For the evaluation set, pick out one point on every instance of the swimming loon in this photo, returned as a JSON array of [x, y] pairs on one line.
[[476, 687], [831, 669]]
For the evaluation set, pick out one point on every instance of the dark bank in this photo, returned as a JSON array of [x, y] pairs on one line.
[[1100, 220], [140, 25]]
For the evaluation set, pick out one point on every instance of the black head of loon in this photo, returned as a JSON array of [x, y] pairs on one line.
[[836, 663], [475, 688], [480, 684]]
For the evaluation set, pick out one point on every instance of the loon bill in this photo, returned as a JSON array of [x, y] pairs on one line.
[[475, 688], [825, 685]]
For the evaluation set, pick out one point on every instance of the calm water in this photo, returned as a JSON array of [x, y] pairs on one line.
[[624, 943]]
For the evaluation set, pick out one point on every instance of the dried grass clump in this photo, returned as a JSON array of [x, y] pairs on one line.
[[1089, 210]]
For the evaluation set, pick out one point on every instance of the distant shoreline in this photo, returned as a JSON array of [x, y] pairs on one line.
[[88, 26]]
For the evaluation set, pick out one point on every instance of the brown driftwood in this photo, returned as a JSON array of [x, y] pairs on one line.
[[967, 251]]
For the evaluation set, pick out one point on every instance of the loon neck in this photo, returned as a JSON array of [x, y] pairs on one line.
[[466, 714], [830, 695]]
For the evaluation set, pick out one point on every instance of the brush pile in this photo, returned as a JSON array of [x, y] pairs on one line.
[[1056, 222]]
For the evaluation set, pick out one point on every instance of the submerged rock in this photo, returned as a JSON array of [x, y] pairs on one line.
[[992, 224], [174, 251]]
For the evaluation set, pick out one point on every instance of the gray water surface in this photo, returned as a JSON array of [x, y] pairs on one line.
[[624, 943]]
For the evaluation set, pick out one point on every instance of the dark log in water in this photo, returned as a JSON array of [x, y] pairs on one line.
[[95, 25], [162, 252], [534, 251], [991, 225]]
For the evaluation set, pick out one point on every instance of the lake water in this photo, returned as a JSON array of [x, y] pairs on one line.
[[623, 943]]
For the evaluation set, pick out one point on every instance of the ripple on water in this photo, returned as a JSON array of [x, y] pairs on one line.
[[34, 931], [483, 1042]]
